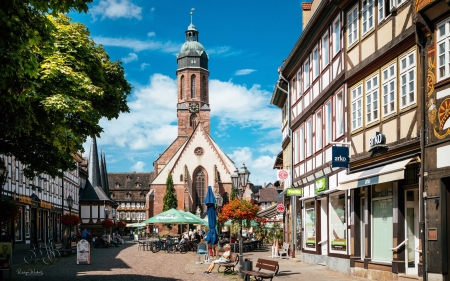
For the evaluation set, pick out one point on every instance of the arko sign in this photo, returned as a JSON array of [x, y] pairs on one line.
[[339, 156]]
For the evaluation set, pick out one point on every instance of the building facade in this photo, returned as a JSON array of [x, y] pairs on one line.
[[42, 201], [129, 190], [312, 78]]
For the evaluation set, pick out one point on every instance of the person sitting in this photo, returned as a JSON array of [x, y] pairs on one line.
[[225, 258]]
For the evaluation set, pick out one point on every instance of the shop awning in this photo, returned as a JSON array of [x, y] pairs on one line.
[[386, 173], [268, 213]]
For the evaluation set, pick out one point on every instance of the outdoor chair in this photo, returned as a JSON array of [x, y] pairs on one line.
[[284, 250], [202, 250]]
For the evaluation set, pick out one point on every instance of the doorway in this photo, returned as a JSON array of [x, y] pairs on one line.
[[412, 231], [323, 244]]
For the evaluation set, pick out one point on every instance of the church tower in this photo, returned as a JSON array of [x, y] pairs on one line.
[[193, 93]]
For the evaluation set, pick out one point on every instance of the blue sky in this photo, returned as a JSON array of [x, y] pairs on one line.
[[246, 42]]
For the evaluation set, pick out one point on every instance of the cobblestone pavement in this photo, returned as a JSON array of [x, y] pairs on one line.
[[127, 263]]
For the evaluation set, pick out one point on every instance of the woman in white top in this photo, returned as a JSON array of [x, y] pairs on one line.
[[225, 258]]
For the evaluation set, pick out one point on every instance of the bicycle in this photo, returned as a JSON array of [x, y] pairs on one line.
[[32, 255], [56, 253], [49, 256], [161, 245]]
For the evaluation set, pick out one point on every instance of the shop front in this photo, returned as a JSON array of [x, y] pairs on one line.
[[385, 210]]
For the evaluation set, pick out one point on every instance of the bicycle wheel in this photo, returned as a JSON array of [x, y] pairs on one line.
[[183, 249], [29, 257], [171, 249], [56, 255], [48, 257], [38, 254], [155, 247]]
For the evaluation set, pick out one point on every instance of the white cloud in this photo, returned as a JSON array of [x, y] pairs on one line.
[[244, 71], [138, 167], [151, 34], [138, 45], [260, 167], [115, 9], [237, 104], [131, 57], [144, 65]]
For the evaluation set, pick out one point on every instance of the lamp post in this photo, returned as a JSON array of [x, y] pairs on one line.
[[240, 180], [69, 201]]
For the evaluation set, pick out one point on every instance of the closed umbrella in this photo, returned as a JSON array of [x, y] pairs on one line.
[[210, 201]]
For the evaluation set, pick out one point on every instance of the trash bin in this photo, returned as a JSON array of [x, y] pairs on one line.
[[248, 265]]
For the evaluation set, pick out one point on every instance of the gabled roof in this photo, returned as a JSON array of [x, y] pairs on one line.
[[269, 194], [91, 193]]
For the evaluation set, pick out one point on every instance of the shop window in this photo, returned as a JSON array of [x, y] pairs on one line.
[[382, 227], [412, 173], [310, 225], [338, 224]]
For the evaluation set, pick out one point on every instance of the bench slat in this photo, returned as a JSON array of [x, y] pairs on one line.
[[266, 266]]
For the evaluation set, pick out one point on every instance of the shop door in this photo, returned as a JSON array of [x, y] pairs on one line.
[[412, 231], [33, 234], [323, 244]]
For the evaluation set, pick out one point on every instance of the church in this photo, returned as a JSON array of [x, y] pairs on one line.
[[194, 159]]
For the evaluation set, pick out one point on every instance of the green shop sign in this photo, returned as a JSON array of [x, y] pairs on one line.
[[294, 191], [321, 185]]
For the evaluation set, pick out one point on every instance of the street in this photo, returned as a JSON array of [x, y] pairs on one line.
[[127, 263]]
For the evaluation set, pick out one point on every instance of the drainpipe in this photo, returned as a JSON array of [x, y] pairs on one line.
[[421, 40], [291, 168]]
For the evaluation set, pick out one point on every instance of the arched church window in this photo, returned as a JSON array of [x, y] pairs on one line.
[[183, 87], [192, 120], [193, 86], [200, 181], [181, 177], [204, 87]]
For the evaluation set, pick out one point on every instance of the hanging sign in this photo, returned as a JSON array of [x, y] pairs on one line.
[[282, 175], [321, 185], [340, 156], [280, 208], [294, 192], [377, 139]]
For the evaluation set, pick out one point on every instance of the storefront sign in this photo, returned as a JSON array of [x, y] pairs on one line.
[[24, 199], [282, 175], [339, 156], [321, 185], [310, 243], [368, 181], [46, 205], [378, 139], [280, 208], [294, 191]]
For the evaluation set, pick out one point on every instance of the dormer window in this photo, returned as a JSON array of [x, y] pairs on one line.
[[117, 184]]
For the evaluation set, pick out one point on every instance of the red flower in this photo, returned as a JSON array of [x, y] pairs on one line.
[[8, 210], [238, 210], [69, 219], [121, 224], [107, 223]]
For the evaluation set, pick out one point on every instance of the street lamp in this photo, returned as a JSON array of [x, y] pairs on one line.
[[240, 180], [69, 201]]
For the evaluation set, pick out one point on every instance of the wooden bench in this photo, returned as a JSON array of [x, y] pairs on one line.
[[229, 267], [269, 270]]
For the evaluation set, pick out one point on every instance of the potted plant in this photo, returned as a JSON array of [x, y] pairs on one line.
[[70, 220]]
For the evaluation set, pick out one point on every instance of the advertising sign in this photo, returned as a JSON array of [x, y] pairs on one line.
[[340, 156], [280, 208], [5, 256], [282, 175], [321, 185], [83, 252], [294, 192]]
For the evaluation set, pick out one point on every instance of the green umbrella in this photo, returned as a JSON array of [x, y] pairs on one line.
[[196, 219], [171, 216], [244, 223]]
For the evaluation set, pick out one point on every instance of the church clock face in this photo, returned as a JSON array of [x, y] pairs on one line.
[[193, 107]]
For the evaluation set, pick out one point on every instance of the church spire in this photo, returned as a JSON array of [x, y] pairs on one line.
[[93, 165]]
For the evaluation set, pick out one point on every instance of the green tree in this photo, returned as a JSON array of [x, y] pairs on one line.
[[56, 85], [233, 192], [170, 200]]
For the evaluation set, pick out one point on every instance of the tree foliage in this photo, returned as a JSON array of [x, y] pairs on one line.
[[233, 194], [170, 200], [56, 84]]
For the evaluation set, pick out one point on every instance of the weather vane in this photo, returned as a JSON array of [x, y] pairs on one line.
[[192, 12]]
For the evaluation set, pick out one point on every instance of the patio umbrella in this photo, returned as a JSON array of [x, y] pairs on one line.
[[138, 224], [194, 218], [171, 216], [210, 201]]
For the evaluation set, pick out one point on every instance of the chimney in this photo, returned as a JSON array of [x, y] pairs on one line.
[[306, 13]]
